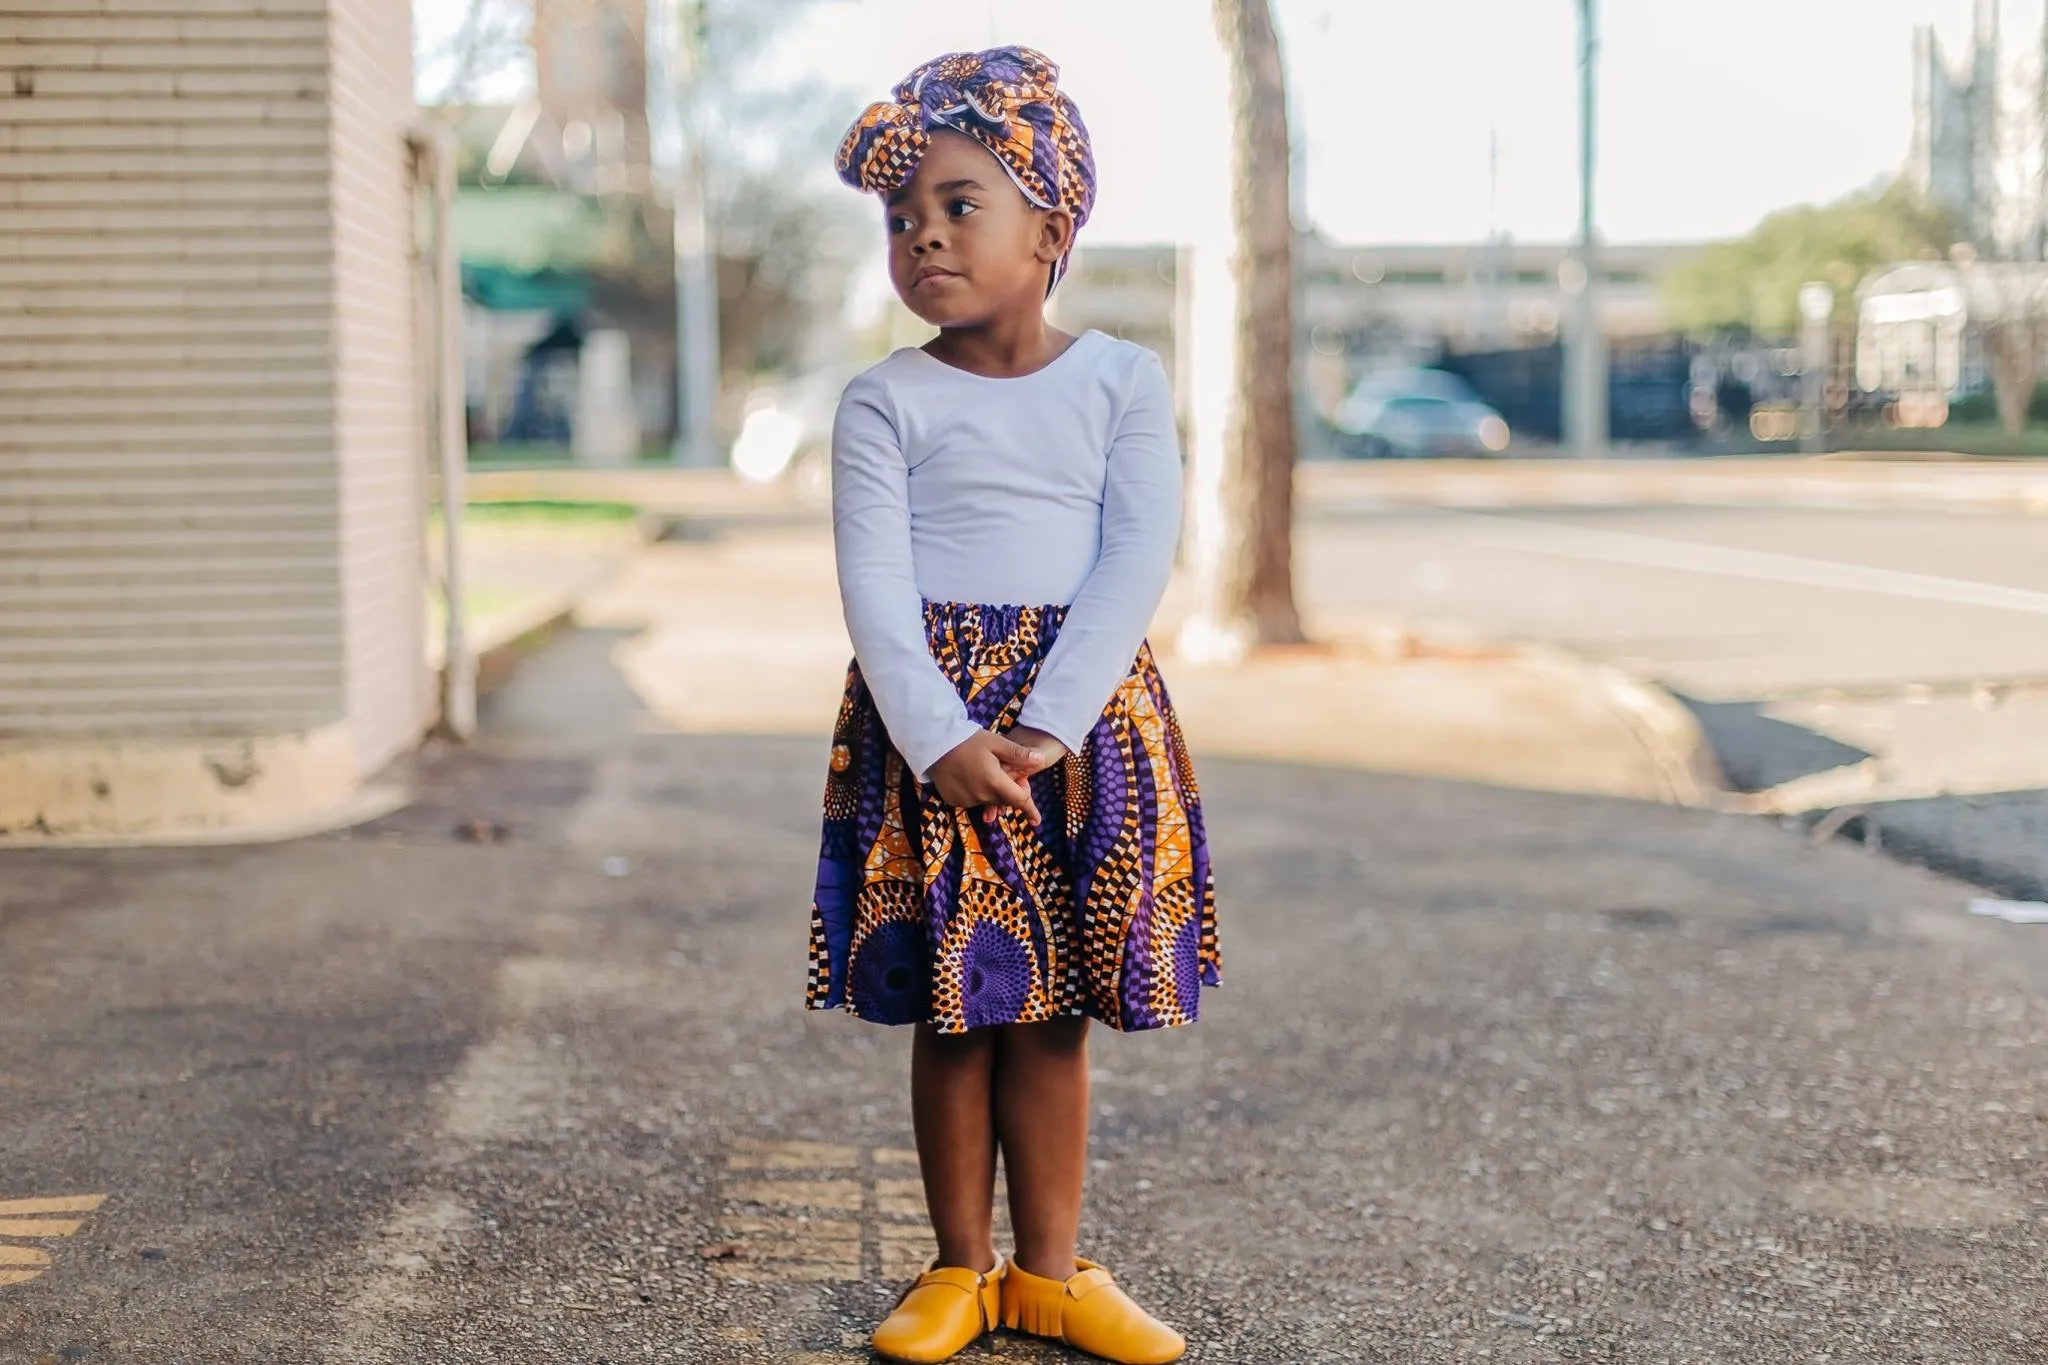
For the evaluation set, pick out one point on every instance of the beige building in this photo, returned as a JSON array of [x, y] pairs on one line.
[[211, 429]]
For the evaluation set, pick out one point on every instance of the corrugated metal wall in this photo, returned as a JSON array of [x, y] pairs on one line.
[[381, 419], [202, 465]]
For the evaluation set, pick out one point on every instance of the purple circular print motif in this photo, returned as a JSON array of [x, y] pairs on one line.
[[995, 976], [892, 975], [1187, 966]]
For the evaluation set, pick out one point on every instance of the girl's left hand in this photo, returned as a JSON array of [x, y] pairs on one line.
[[1049, 750]]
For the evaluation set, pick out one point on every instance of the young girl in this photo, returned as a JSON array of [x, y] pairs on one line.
[[1013, 841]]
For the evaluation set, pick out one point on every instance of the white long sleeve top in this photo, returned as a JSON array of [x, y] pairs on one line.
[[1061, 487]]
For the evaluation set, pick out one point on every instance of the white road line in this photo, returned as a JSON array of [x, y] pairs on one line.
[[1657, 552]]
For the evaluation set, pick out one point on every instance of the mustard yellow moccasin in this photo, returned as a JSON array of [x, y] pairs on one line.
[[1089, 1313], [946, 1310]]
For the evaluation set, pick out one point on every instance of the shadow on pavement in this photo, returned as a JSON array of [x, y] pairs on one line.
[[1758, 752], [1997, 841]]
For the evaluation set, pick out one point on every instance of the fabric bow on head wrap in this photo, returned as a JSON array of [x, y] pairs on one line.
[[1008, 99]]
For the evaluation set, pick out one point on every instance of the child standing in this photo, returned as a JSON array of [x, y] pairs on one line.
[[1013, 838]]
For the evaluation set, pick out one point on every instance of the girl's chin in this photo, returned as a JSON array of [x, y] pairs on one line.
[[937, 313]]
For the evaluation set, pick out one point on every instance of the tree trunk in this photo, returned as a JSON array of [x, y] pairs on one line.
[[1244, 518], [2009, 346]]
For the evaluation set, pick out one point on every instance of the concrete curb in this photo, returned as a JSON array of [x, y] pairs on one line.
[[1669, 733], [1527, 718], [371, 801], [176, 791]]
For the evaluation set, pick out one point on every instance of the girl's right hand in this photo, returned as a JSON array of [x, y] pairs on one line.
[[979, 774]]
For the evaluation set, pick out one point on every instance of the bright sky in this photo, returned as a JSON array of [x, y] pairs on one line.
[[1711, 116]]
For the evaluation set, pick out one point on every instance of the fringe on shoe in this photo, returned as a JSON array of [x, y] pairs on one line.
[[1034, 1310]]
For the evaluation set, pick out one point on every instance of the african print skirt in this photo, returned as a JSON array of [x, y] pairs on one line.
[[926, 912]]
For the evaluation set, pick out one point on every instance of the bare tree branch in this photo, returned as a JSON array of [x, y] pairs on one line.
[[493, 35]]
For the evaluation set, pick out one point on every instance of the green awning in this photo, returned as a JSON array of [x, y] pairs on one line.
[[562, 292]]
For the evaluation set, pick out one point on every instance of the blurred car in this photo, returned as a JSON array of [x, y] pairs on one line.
[[1412, 413]]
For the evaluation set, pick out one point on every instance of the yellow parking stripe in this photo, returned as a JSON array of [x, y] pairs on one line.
[[39, 1227], [75, 1203], [815, 1194], [791, 1156], [19, 1218]]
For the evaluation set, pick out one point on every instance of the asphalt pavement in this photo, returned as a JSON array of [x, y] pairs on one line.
[[519, 1074]]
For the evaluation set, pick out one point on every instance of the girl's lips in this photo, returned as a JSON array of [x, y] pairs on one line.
[[931, 273]]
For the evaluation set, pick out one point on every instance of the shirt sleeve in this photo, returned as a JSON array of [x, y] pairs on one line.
[[1107, 619], [878, 584]]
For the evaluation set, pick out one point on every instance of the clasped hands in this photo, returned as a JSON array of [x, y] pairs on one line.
[[991, 771]]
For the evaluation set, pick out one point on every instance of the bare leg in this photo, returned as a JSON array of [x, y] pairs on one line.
[[1041, 1108], [952, 1111]]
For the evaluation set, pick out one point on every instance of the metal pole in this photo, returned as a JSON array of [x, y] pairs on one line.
[[436, 149], [1495, 326], [697, 357], [1585, 396]]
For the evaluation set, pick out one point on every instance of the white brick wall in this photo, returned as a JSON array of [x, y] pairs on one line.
[[209, 440], [381, 423]]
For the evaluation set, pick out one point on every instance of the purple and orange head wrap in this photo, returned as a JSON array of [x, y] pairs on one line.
[[1008, 99]]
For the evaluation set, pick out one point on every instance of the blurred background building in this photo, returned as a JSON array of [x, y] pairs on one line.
[[1932, 333], [563, 237], [1980, 128], [1370, 306]]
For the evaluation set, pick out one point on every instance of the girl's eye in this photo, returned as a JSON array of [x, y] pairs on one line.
[[960, 208], [898, 224]]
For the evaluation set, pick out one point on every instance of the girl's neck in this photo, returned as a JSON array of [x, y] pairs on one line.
[[1002, 348]]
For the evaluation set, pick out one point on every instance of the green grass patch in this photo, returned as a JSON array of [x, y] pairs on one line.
[[479, 602], [549, 512]]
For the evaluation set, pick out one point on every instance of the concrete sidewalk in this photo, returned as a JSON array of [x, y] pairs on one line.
[[739, 633], [519, 1075]]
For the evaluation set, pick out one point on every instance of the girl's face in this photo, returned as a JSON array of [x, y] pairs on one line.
[[965, 245]]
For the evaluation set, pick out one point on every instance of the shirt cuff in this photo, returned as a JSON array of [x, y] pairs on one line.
[[928, 754], [1031, 719]]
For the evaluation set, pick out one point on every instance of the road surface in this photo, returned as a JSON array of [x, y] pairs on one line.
[[1836, 658]]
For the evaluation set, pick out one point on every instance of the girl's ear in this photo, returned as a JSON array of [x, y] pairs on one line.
[[1055, 234]]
